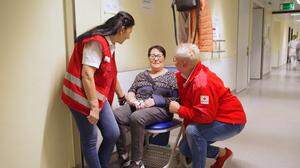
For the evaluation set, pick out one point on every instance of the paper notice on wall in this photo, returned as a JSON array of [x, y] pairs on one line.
[[111, 6], [147, 4], [216, 28]]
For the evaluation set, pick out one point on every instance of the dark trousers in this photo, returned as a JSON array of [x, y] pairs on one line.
[[136, 120]]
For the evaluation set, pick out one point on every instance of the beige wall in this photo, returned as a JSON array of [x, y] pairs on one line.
[[35, 126], [87, 15], [279, 31], [284, 37], [153, 26], [276, 43], [267, 41], [227, 12], [250, 32]]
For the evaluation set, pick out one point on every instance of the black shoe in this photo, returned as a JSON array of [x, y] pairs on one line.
[[133, 164], [124, 162], [188, 160]]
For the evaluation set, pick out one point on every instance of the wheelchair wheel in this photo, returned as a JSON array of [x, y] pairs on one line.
[[185, 162]]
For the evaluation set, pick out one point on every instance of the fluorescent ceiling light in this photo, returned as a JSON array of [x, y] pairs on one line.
[[295, 14], [297, 20], [298, 1]]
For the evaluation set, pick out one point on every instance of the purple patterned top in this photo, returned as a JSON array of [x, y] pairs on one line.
[[162, 89]]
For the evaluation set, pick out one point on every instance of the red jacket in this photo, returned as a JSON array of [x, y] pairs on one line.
[[205, 99], [105, 77]]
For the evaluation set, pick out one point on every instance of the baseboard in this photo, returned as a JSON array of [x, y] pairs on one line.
[[266, 75]]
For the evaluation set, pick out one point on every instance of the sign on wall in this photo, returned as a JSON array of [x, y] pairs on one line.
[[111, 6], [109, 9], [147, 4], [287, 6]]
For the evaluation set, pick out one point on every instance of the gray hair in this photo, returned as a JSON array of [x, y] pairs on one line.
[[185, 50]]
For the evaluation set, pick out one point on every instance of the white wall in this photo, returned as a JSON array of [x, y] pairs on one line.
[[225, 66], [267, 43], [153, 26], [35, 125], [225, 69], [242, 77], [88, 15], [282, 43], [276, 43], [284, 39], [226, 11], [279, 40], [265, 34], [256, 56]]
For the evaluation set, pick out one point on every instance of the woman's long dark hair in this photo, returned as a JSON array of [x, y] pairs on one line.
[[110, 27]]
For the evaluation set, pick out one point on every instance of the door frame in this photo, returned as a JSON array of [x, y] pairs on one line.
[[70, 35], [240, 54], [262, 42]]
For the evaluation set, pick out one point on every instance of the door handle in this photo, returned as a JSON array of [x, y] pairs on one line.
[[247, 51]]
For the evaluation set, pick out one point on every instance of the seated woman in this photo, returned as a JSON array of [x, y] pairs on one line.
[[147, 102]]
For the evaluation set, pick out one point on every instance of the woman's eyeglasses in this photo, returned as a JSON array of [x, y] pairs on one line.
[[153, 56]]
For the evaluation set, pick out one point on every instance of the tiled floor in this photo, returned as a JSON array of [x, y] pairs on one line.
[[271, 138]]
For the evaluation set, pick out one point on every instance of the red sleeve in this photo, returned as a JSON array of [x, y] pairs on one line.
[[203, 108]]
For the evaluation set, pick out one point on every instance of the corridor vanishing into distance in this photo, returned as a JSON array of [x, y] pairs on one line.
[[271, 138]]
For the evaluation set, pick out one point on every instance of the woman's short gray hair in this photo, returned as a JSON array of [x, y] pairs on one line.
[[185, 50]]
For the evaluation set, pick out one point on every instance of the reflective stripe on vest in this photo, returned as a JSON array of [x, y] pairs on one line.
[[77, 82], [75, 96]]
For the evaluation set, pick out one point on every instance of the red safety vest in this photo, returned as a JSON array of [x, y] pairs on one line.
[[105, 77]]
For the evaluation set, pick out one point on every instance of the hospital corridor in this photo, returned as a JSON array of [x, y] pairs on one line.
[[150, 84], [270, 138]]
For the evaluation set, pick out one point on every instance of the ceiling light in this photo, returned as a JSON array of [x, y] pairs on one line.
[[298, 1]]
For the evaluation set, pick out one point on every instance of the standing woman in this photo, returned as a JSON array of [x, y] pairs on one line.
[[90, 83]]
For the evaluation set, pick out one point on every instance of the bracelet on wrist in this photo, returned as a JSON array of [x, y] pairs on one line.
[[122, 100]]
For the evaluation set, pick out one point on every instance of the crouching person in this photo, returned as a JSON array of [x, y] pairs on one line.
[[210, 111], [147, 102]]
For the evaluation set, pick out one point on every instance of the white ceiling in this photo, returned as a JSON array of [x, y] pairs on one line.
[[275, 4]]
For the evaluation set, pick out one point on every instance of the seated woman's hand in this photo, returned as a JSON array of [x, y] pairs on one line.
[[174, 107], [141, 105], [149, 103], [138, 104], [131, 101]]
